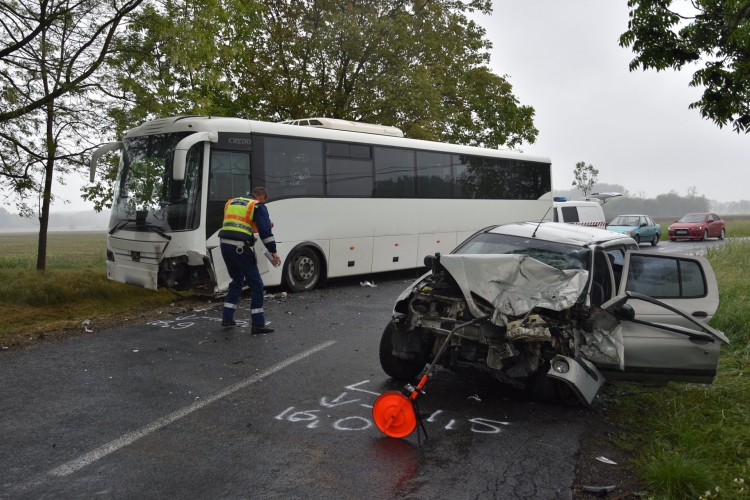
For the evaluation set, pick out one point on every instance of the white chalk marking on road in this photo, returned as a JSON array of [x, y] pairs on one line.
[[450, 424], [355, 387], [434, 414], [129, 438]]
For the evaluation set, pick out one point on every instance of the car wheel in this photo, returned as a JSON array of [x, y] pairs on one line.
[[542, 388], [637, 239], [400, 369], [566, 395], [655, 241], [302, 270], [705, 235], [722, 234]]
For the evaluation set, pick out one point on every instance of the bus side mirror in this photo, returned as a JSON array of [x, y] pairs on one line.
[[180, 151], [112, 146]]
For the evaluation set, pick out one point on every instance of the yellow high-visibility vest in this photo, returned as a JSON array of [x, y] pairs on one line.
[[238, 217]]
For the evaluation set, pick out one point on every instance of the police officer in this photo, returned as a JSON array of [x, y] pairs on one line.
[[244, 217]]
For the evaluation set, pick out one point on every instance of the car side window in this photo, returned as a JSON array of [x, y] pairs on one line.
[[570, 214], [602, 289], [616, 259], [665, 277]]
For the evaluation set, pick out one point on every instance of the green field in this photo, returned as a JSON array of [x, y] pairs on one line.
[[73, 288]]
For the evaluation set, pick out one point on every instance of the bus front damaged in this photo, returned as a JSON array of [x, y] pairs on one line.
[[154, 228]]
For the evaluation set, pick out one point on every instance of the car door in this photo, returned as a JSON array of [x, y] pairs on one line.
[[716, 225], [657, 354], [644, 229], [686, 282], [666, 341], [651, 228]]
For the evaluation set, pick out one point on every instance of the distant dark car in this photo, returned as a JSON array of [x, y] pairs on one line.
[[698, 226]]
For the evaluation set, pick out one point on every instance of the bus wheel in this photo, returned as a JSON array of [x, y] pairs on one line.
[[302, 270]]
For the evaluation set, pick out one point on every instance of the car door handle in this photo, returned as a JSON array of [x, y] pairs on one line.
[[700, 314]]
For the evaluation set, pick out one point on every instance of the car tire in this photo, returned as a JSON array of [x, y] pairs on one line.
[[395, 367], [302, 270], [705, 235], [722, 234], [542, 388], [566, 395], [655, 241], [637, 239]]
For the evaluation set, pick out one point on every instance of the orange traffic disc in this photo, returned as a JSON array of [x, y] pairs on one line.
[[393, 413]]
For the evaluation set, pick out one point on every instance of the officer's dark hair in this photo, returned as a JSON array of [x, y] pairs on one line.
[[260, 191]]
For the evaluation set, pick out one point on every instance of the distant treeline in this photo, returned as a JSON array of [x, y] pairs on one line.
[[671, 204], [58, 221]]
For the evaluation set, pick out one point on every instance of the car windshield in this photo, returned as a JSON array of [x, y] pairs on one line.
[[693, 218], [557, 255], [625, 220]]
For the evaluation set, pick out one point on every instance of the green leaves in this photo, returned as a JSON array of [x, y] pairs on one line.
[[420, 65], [715, 33], [585, 177]]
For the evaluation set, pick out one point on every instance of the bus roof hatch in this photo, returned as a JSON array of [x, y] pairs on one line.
[[336, 124]]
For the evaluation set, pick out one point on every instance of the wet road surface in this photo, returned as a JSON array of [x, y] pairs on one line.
[[186, 409]]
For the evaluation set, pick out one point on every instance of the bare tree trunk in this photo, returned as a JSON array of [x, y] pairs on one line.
[[41, 259]]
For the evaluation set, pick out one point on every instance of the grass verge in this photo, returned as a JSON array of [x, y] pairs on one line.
[[52, 304], [693, 441]]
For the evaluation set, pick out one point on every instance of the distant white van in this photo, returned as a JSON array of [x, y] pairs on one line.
[[585, 212]]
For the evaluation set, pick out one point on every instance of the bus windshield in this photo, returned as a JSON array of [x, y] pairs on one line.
[[145, 192], [557, 255]]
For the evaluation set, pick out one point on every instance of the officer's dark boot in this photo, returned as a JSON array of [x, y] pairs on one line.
[[261, 329], [228, 322]]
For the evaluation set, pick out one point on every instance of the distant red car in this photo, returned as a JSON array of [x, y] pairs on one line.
[[698, 226]]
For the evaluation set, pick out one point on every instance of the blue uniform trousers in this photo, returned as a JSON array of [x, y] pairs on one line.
[[243, 269]]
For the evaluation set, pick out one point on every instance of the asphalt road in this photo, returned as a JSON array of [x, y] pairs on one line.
[[186, 409], [685, 247]]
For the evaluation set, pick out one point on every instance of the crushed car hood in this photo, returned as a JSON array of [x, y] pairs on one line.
[[513, 284]]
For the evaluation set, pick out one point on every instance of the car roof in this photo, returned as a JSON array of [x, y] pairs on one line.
[[561, 233], [632, 215]]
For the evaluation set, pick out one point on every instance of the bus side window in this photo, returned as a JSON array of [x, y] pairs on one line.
[[229, 175]]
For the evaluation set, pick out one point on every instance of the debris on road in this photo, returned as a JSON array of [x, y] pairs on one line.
[[85, 326], [367, 283], [474, 397], [606, 460]]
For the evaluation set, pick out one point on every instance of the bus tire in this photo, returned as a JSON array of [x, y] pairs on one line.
[[394, 367], [302, 270]]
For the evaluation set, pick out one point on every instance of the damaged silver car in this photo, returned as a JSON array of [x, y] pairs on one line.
[[568, 308]]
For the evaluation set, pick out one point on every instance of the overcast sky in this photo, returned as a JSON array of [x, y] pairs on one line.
[[563, 59]]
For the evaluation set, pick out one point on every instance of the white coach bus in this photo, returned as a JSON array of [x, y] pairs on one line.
[[345, 198]]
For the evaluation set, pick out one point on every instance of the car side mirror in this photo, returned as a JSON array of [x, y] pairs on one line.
[[625, 311], [644, 224], [431, 260]]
